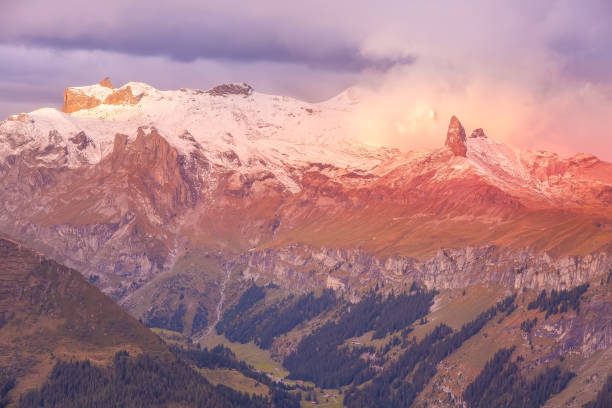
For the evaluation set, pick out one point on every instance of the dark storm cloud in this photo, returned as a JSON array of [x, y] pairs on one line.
[[187, 31], [187, 48]]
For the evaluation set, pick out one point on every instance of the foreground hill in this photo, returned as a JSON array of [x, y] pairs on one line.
[[49, 312], [65, 344]]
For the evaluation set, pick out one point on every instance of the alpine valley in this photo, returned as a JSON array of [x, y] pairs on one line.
[[472, 275]]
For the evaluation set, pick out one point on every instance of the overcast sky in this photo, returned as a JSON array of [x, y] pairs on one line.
[[536, 74]]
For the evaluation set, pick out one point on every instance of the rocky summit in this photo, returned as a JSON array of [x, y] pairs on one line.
[[220, 212]]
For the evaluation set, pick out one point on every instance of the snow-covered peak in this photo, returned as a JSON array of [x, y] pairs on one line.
[[264, 132], [236, 129], [345, 100], [234, 117], [495, 157]]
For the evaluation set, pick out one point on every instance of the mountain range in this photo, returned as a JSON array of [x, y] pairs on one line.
[[174, 203]]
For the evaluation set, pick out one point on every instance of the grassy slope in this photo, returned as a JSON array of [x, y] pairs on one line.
[[249, 352], [389, 231], [235, 380]]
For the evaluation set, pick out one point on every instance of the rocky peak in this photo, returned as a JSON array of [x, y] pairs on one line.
[[478, 133], [154, 168], [106, 82], [231, 89], [82, 141], [455, 138], [75, 100], [22, 117]]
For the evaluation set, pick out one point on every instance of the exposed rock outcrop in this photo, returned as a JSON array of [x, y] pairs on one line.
[[153, 168], [447, 269], [231, 89], [478, 133], [106, 82], [22, 117], [76, 99], [82, 141], [123, 96]]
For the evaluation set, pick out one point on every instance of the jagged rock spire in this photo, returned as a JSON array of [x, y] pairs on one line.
[[455, 138], [478, 133]]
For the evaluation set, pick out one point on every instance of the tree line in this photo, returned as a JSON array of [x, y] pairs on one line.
[[247, 300], [223, 357]]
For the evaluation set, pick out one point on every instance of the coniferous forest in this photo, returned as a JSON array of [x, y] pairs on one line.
[[152, 381], [559, 301], [500, 384], [223, 357], [400, 383], [320, 358], [241, 326], [6, 384], [141, 381]]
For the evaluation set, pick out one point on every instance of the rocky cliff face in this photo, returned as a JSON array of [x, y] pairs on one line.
[[447, 269]]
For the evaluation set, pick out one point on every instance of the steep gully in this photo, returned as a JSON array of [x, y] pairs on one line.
[[219, 307]]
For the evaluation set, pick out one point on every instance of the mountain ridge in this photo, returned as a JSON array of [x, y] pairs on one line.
[[139, 194]]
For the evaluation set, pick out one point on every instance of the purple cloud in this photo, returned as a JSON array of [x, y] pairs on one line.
[[187, 31]]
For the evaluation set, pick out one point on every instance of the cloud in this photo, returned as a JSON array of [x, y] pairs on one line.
[[188, 30], [36, 77], [410, 109]]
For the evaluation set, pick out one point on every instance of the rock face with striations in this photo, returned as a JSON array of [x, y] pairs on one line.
[[150, 165], [455, 138]]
